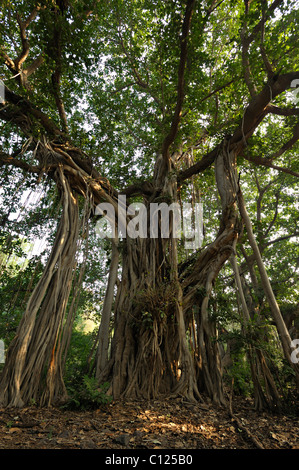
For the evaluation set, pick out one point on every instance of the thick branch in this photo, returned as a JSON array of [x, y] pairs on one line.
[[142, 187], [34, 65], [282, 111], [253, 115], [23, 25], [257, 108], [6, 159], [25, 44], [15, 66], [7, 60], [289, 144], [266, 162], [169, 139], [198, 167], [25, 109]]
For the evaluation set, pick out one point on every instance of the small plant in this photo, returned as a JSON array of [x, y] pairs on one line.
[[155, 305], [88, 395], [240, 373], [33, 402], [50, 434]]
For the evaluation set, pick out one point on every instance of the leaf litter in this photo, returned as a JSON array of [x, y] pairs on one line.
[[154, 424]]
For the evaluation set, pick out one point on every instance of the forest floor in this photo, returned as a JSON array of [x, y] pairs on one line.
[[171, 424]]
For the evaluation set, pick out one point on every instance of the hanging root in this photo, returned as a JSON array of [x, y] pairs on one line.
[[36, 345], [241, 426], [151, 357]]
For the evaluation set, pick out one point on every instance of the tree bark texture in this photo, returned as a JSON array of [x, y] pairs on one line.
[[32, 370], [277, 316], [150, 355]]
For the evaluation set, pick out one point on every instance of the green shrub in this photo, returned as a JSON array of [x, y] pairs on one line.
[[77, 365], [239, 371], [88, 395]]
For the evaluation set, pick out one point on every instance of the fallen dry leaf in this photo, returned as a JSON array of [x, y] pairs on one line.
[[147, 424]]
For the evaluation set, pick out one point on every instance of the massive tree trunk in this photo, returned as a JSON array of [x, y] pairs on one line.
[[103, 336], [32, 371], [198, 284], [150, 355]]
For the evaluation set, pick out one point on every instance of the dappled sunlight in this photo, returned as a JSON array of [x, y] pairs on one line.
[[193, 429], [144, 425]]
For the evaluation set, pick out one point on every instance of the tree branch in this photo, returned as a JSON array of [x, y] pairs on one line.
[[15, 66], [138, 79], [24, 110], [245, 56], [280, 239], [247, 40], [6, 159], [257, 108], [246, 64], [254, 114], [7, 60], [34, 65], [169, 139], [289, 144], [200, 166], [272, 222], [58, 100], [282, 111], [213, 7], [268, 66], [23, 25], [265, 18], [265, 162], [218, 89], [139, 188]]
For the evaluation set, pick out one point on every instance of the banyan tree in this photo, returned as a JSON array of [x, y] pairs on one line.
[[145, 101]]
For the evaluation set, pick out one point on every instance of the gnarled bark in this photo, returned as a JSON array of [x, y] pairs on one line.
[[150, 355], [103, 336], [198, 284], [35, 347], [277, 316], [260, 371]]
